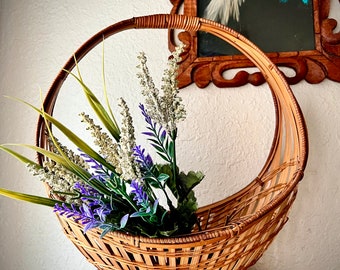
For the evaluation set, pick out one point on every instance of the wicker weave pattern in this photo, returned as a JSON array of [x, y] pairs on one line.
[[237, 230]]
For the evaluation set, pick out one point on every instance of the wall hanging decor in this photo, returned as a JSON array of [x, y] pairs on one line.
[[300, 38], [232, 233]]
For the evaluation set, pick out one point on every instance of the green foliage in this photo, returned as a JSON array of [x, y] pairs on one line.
[[183, 216], [105, 195]]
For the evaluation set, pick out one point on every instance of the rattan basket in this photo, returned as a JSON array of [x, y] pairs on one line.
[[235, 231]]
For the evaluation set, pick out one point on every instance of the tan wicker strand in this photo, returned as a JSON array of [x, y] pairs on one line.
[[236, 230]]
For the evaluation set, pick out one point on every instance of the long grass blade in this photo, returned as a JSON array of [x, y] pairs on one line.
[[105, 89], [68, 165], [19, 156], [80, 172], [29, 198], [71, 136], [97, 107]]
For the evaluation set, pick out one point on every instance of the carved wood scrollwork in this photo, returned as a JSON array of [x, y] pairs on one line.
[[312, 65]]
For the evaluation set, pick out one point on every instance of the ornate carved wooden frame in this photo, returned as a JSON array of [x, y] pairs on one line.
[[313, 65]]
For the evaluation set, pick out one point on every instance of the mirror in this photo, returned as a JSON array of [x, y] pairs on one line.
[[304, 44]]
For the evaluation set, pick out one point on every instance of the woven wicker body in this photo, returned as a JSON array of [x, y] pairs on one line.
[[235, 231]]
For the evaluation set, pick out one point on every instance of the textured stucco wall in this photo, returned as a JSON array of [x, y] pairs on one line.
[[227, 133]]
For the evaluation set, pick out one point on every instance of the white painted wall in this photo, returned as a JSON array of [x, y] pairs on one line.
[[227, 133]]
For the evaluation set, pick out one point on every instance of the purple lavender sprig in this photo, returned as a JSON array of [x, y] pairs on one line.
[[100, 172], [107, 180], [89, 217], [158, 137], [165, 148], [88, 195], [86, 190], [145, 160], [92, 216], [147, 209]]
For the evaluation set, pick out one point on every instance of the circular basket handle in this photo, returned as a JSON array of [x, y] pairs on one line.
[[282, 94]]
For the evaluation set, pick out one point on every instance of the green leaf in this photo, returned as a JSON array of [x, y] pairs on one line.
[[166, 169], [106, 230], [152, 181], [158, 148], [124, 220], [154, 207], [163, 177], [139, 214], [163, 156], [153, 219], [165, 213], [98, 108], [169, 232], [19, 156], [154, 141], [171, 149], [105, 90], [166, 146], [83, 174], [28, 198], [190, 180]]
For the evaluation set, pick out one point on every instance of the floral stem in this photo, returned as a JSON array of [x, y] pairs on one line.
[[174, 160]]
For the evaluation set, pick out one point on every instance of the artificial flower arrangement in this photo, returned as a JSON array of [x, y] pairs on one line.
[[115, 187]]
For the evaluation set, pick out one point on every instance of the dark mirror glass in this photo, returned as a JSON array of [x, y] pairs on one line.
[[273, 25]]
